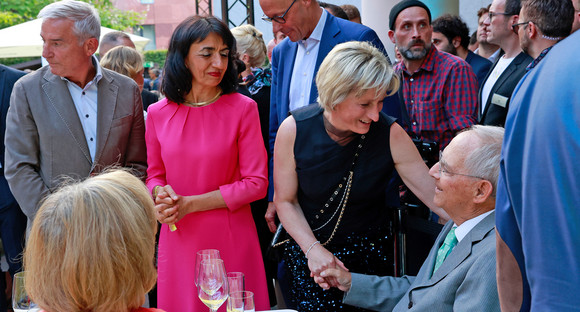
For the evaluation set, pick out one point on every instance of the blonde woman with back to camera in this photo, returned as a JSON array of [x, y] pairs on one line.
[[92, 245]]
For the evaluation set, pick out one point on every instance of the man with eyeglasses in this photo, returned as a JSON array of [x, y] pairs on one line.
[[542, 24], [460, 271], [485, 49], [508, 69]]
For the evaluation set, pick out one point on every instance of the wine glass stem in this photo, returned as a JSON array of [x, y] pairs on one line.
[[212, 310]]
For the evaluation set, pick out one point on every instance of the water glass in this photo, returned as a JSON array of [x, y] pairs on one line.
[[236, 281], [241, 301]]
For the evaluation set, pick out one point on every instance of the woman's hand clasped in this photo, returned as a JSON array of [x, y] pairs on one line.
[[167, 205], [320, 259]]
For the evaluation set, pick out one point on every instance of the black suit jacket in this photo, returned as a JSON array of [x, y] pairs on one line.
[[8, 77], [497, 104], [480, 66], [148, 98]]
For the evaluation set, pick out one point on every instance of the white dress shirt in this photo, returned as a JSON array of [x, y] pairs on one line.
[[85, 100], [304, 64], [462, 230], [499, 68]]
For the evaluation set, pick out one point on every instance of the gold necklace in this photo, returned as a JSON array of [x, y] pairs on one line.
[[200, 104]]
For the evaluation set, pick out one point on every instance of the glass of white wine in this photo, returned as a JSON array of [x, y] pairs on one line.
[[204, 254], [20, 300], [212, 283], [241, 301]]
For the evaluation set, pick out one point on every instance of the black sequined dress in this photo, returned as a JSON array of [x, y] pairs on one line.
[[362, 239]]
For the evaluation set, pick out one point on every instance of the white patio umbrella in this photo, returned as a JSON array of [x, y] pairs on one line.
[[23, 40]]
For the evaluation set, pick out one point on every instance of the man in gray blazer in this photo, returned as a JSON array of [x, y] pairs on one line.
[[71, 118], [459, 273]]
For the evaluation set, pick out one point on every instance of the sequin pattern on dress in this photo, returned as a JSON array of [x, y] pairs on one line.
[[362, 254]]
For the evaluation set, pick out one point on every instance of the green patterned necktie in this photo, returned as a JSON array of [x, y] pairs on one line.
[[445, 249]]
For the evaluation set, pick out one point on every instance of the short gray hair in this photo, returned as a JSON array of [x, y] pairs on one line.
[[483, 161], [357, 67], [249, 40], [87, 23]]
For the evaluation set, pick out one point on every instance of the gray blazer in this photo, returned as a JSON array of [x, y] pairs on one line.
[[45, 141], [465, 281]]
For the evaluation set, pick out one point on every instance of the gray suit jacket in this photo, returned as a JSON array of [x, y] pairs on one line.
[[465, 281], [45, 141]]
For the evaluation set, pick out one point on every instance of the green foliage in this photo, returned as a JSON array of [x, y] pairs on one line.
[[156, 56], [13, 12], [16, 60], [9, 19], [114, 18], [27, 10]]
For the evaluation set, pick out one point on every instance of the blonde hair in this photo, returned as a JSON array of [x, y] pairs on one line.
[[357, 67], [249, 40], [123, 60], [92, 246]]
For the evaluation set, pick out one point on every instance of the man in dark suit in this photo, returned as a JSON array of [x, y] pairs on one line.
[[451, 35], [459, 273], [71, 118], [12, 220], [508, 69]]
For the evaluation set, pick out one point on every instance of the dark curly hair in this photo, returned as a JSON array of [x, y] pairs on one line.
[[177, 79], [452, 26]]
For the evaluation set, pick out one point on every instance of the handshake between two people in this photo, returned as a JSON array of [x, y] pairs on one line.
[[327, 270]]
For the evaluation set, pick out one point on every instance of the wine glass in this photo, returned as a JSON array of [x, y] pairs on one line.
[[204, 254], [20, 300], [236, 281], [241, 301], [212, 283]]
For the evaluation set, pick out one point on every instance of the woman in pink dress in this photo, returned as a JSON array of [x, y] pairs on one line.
[[207, 163]]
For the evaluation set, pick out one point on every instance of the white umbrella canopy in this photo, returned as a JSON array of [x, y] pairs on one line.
[[23, 40]]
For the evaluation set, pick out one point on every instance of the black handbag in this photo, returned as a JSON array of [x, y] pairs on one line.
[[281, 237]]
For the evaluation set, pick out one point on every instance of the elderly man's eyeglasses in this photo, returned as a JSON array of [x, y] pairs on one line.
[[278, 19], [516, 27], [492, 14], [442, 169]]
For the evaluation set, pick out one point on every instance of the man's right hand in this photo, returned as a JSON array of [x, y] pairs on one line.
[[271, 217], [341, 278]]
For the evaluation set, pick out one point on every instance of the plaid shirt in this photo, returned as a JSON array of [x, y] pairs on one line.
[[441, 96]]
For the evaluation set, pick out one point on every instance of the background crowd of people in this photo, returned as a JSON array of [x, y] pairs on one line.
[[315, 136]]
